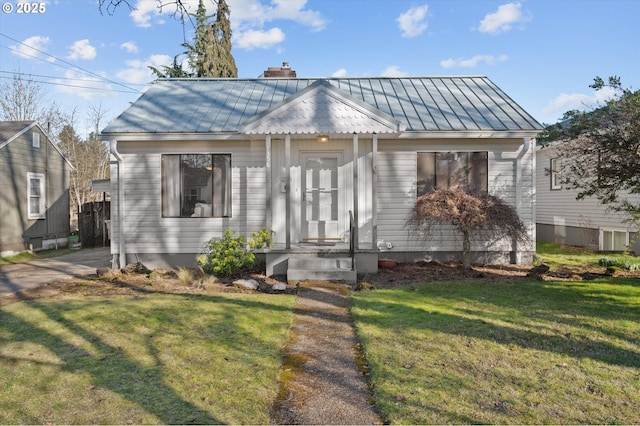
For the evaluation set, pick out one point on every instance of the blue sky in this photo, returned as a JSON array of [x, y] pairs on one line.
[[543, 53]]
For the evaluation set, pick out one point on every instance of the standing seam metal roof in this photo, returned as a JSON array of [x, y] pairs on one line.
[[419, 103]]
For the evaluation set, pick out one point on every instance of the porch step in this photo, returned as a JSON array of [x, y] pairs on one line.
[[321, 268]]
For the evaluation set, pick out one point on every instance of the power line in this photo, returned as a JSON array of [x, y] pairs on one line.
[[68, 63], [76, 86], [59, 78]]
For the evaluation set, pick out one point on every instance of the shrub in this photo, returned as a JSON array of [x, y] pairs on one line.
[[261, 239], [619, 263], [226, 256]]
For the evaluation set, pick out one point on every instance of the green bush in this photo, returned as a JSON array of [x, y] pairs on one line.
[[261, 239], [226, 256], [627, 264], [231, 254]]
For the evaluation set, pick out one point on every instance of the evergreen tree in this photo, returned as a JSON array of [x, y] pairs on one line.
[[210, 53], [224, 64]]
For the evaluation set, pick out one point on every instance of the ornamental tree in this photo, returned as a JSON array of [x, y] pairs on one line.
[[600, 149], [469, 211]]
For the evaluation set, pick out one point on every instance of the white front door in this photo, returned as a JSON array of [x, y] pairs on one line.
[[320, 195]]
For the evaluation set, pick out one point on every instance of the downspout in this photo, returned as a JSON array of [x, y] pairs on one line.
[[121, 218], [526, 144]]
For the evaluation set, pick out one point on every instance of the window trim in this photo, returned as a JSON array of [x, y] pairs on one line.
[[35, 140], [229, 183], [555, 170], [42, 203]]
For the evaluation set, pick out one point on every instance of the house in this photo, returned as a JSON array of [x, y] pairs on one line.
[[563, 219], [330, 165], [34, 189]]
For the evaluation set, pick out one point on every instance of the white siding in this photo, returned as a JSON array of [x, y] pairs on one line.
[[560, 207], [396, 178], [148, 232]]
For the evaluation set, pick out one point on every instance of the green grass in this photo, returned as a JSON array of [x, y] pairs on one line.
[[511, 353], [149, 359], [556, 255]]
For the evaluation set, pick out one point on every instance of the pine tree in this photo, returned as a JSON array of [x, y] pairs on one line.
[[224, 64]]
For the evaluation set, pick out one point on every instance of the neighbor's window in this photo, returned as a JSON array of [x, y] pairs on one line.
[[36, 196], [196, 185], [451, 169], [35, 140], [556, 165]]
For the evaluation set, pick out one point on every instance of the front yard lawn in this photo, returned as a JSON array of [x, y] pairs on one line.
[[526, 352], [142, 359]]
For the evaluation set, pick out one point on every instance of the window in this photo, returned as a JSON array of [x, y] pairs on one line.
[[614, 240], [196, 185], [556, 167], [35, 140], [36, 196], [451, 169]]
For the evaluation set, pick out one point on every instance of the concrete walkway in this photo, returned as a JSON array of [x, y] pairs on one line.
[[24, 276], [320, 381]]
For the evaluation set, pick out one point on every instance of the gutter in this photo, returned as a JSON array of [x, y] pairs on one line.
[[121, 218]]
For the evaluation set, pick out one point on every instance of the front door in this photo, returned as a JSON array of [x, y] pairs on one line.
[[320, 195]]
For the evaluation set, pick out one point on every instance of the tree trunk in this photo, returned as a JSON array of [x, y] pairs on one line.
[[466, 249]]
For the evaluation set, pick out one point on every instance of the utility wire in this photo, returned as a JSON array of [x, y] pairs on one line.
[[68, 63], [75, 85]]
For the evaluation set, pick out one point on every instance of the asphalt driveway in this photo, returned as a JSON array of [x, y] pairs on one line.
[[24, 276]]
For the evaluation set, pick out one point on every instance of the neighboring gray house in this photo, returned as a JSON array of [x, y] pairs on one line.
[[34, 189], [586, 223], [303, 156]]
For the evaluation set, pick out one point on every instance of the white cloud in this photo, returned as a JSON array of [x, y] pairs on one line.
[[138, 71], [393, 71], [252, 39], [82, 49], [503, 19], [129, 46], [578, 101], [79, 84], [253, 14], [144, 11], [28, 46], [412, 23], [342, 72], [472, 62]]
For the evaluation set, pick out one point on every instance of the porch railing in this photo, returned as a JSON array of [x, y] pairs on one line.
[[352, 241]]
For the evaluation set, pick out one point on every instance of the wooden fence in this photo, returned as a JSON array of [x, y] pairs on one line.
[[93, 224]]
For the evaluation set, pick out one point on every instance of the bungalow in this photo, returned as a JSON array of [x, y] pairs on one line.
[[331, 165], [34, 189]]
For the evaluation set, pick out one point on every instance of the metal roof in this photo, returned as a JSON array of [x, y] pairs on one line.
[[419, 103]]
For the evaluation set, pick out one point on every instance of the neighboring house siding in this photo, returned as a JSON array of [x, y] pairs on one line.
[[563, 219], [17, 159], [148, 232], [396, 177]]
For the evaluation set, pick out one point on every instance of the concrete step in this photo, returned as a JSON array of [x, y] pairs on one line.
[[321, 268]]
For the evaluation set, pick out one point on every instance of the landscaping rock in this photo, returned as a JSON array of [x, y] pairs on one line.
[[279, 287], [250, 284]]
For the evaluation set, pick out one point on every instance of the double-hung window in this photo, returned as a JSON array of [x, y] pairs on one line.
[[196, 185], [36, 196], [452, 169]]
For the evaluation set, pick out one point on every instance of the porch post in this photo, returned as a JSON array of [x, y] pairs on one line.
[[355, 190], [287, 177], [267, 170], [374, 191]]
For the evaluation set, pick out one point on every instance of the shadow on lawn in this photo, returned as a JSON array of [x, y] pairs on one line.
[[531, 307], [109, 366]]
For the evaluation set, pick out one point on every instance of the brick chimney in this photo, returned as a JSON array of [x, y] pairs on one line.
[[284, 71]]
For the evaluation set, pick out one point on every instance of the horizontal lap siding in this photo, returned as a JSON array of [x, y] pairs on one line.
[[148, 232], [396, 180], [560, 207]]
